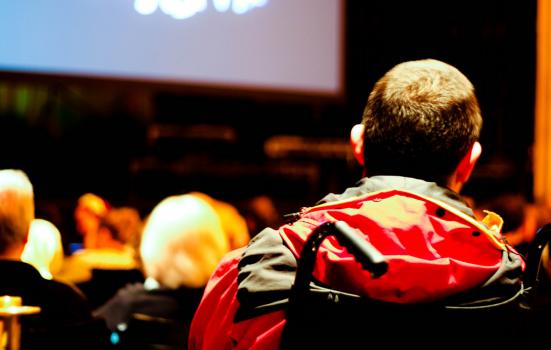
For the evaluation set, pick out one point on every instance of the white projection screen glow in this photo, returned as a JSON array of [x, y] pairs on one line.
[[288, 46]]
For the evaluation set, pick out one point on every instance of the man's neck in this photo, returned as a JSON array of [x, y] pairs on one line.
[[12, 253]]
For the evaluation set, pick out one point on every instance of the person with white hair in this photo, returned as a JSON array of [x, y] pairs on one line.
[[44, 249], [62, 306], [182, 243], [16, 212]]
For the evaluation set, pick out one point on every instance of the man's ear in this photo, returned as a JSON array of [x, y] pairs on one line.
[[466, 166], [357, 142]]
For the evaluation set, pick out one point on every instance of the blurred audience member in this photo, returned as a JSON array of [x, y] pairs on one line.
[[43, 249], [110, 261], [521, 218], [89, 211], [183, 240], [109, 247], [61, 304], [261, 212]]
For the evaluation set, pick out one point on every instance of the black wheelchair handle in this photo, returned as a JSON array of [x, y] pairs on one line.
[[368, 256], [365, 253]]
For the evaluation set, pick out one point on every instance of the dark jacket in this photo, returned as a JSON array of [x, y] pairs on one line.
[[65, 320], [173, 304]]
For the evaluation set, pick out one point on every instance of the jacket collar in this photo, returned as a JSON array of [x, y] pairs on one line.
[[421, 187]]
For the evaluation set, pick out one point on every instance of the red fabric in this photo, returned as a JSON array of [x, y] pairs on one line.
[[260, 333], [432, 252], [212, 327]]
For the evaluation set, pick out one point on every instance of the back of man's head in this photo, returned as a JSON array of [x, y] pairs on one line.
[[16, 208], [420, 120]]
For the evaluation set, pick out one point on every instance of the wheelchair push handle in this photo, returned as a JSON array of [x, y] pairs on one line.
[[366, 254], [371, 259]]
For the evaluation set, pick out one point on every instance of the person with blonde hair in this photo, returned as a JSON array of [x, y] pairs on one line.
[[88, 213], [182, 243], [111, 262], [110, 249]]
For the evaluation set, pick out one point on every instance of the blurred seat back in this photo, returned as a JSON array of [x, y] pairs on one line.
[[106, 282], [87, 335], [145, 332]]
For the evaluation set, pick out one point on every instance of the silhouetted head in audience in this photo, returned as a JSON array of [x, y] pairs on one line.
[[120, 226], [421, 120], [261, 212], [16, 212], [182, 242], [44, 249], [90, 209]]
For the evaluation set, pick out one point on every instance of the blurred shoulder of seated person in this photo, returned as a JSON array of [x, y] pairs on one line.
[[521, 218], [110, 246], [44, 249], [89, 211], [61, 304], [261, 212], [234, 224], [183, 241]]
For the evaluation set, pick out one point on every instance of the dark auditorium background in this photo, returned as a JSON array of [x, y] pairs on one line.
[[136, 144]]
